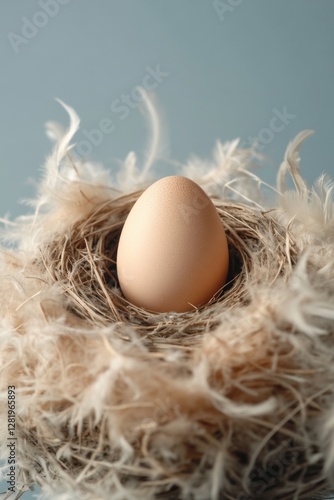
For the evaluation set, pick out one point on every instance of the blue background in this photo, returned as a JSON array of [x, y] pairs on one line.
[[228, 69]]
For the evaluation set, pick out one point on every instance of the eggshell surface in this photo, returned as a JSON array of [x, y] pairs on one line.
[[172, 253]]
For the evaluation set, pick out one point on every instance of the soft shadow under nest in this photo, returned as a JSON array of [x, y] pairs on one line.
[[230, 401]]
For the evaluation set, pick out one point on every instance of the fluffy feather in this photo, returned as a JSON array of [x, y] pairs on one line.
[[232, 399]]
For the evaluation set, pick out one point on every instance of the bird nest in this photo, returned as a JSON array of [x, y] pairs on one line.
[[233, 400]]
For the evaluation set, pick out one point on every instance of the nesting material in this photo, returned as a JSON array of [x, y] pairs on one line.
[[231, 401]]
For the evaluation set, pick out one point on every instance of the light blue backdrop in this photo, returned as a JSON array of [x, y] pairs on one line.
[[221, 69]]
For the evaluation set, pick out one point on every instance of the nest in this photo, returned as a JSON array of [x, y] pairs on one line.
[[233, 400]]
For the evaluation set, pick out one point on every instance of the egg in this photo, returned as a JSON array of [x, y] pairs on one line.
[[172, 253]]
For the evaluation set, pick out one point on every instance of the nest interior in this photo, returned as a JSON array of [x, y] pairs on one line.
[[233, 400]]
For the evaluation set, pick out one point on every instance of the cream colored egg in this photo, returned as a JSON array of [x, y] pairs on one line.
[[172, 253]]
